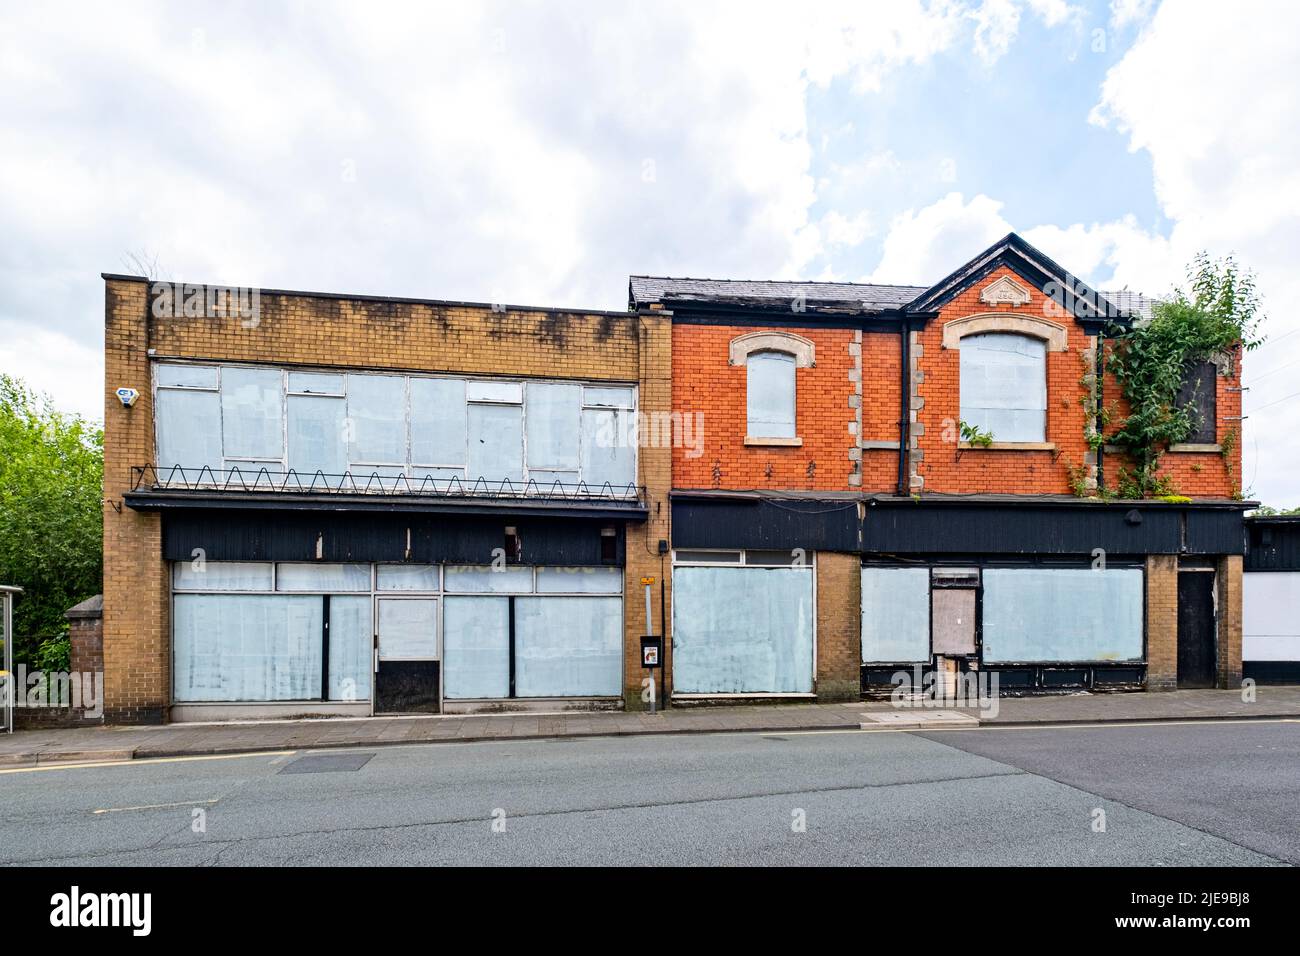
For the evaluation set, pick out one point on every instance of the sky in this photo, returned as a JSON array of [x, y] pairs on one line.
[[540, 153]]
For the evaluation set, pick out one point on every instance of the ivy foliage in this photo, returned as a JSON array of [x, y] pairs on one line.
[[51, 527], [1217, 313]]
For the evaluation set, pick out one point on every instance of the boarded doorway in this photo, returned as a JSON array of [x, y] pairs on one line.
[[1197, 658]]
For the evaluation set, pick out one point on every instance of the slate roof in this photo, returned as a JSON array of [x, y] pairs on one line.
[[848, 296], [868, 298]]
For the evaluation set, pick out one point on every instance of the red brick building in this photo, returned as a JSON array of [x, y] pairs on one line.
[[930, 457]]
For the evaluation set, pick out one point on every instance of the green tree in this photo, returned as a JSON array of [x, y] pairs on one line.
[[51, 528]]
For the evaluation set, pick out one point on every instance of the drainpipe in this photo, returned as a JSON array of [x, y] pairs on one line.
[[904, 395]]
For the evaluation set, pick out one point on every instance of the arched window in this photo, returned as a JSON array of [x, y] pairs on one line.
[[769, 395], [1004, 385]]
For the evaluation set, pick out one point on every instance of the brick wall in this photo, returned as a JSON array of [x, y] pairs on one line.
[[826, 409], [839, 644], [944, 467], [331, 331], [1162, 622]]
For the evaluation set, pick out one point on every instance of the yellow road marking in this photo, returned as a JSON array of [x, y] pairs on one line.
[[156, 806]]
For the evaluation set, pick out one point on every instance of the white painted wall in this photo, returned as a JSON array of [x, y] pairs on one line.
[[1271, 616]]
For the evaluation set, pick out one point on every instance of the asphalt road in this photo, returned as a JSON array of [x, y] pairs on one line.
[[1221, 793]]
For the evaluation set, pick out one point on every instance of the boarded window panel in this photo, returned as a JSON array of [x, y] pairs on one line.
[[568, 647], [408, 629], [222, 576], [496, 443], [351, 643], [488, 580], [476, 647], [316, 436], [1076, 615], [438, 421], [553, 412], [742, 630], [608, 448], [189, 432], [322, 577], [252, 413], [580, 580], [377, 418], [1004, 385], [769, 395], [247, 647], [186, 376], [952, 621], [895, 615]]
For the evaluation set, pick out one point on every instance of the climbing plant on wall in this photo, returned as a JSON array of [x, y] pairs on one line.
[[1217, 313]]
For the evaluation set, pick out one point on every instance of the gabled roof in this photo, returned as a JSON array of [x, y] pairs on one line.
[[854, 297], [1013, 252]]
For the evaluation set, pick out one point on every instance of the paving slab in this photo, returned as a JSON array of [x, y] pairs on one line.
[[88, 744]]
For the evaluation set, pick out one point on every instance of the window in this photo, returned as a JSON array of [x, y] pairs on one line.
[[1004, 385], [769, 392], [895, 615], [252, 426], [1198, 397], [1037, 615], [568, 646], [390, 432]]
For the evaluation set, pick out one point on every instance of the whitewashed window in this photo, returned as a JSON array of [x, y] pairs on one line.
[[568, 647], [579, 580], [487, 580], [247, 647], [322, 577], [510, 393], [408, 629], [189, 433], [895, 615], [186, 376], [316, 383], [1037, 615], [553, 411], [476, 647], [351, 643], [608, 448], [377, 419], [438, 423], [608, 396], [222, 576], [496, 444], [316, 435], [1004, 385], [770, 395], [252, 406], [407, 577]]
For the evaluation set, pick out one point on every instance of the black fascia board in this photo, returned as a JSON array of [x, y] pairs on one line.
[[170, 500]]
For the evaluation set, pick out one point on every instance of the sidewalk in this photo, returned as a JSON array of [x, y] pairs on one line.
[[97, 744]]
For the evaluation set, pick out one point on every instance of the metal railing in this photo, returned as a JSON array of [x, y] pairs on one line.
[[376, 482]]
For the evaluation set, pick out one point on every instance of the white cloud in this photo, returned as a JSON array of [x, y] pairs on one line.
[[1125, 12], [924, 245], [996, 24], [1227, 173]]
